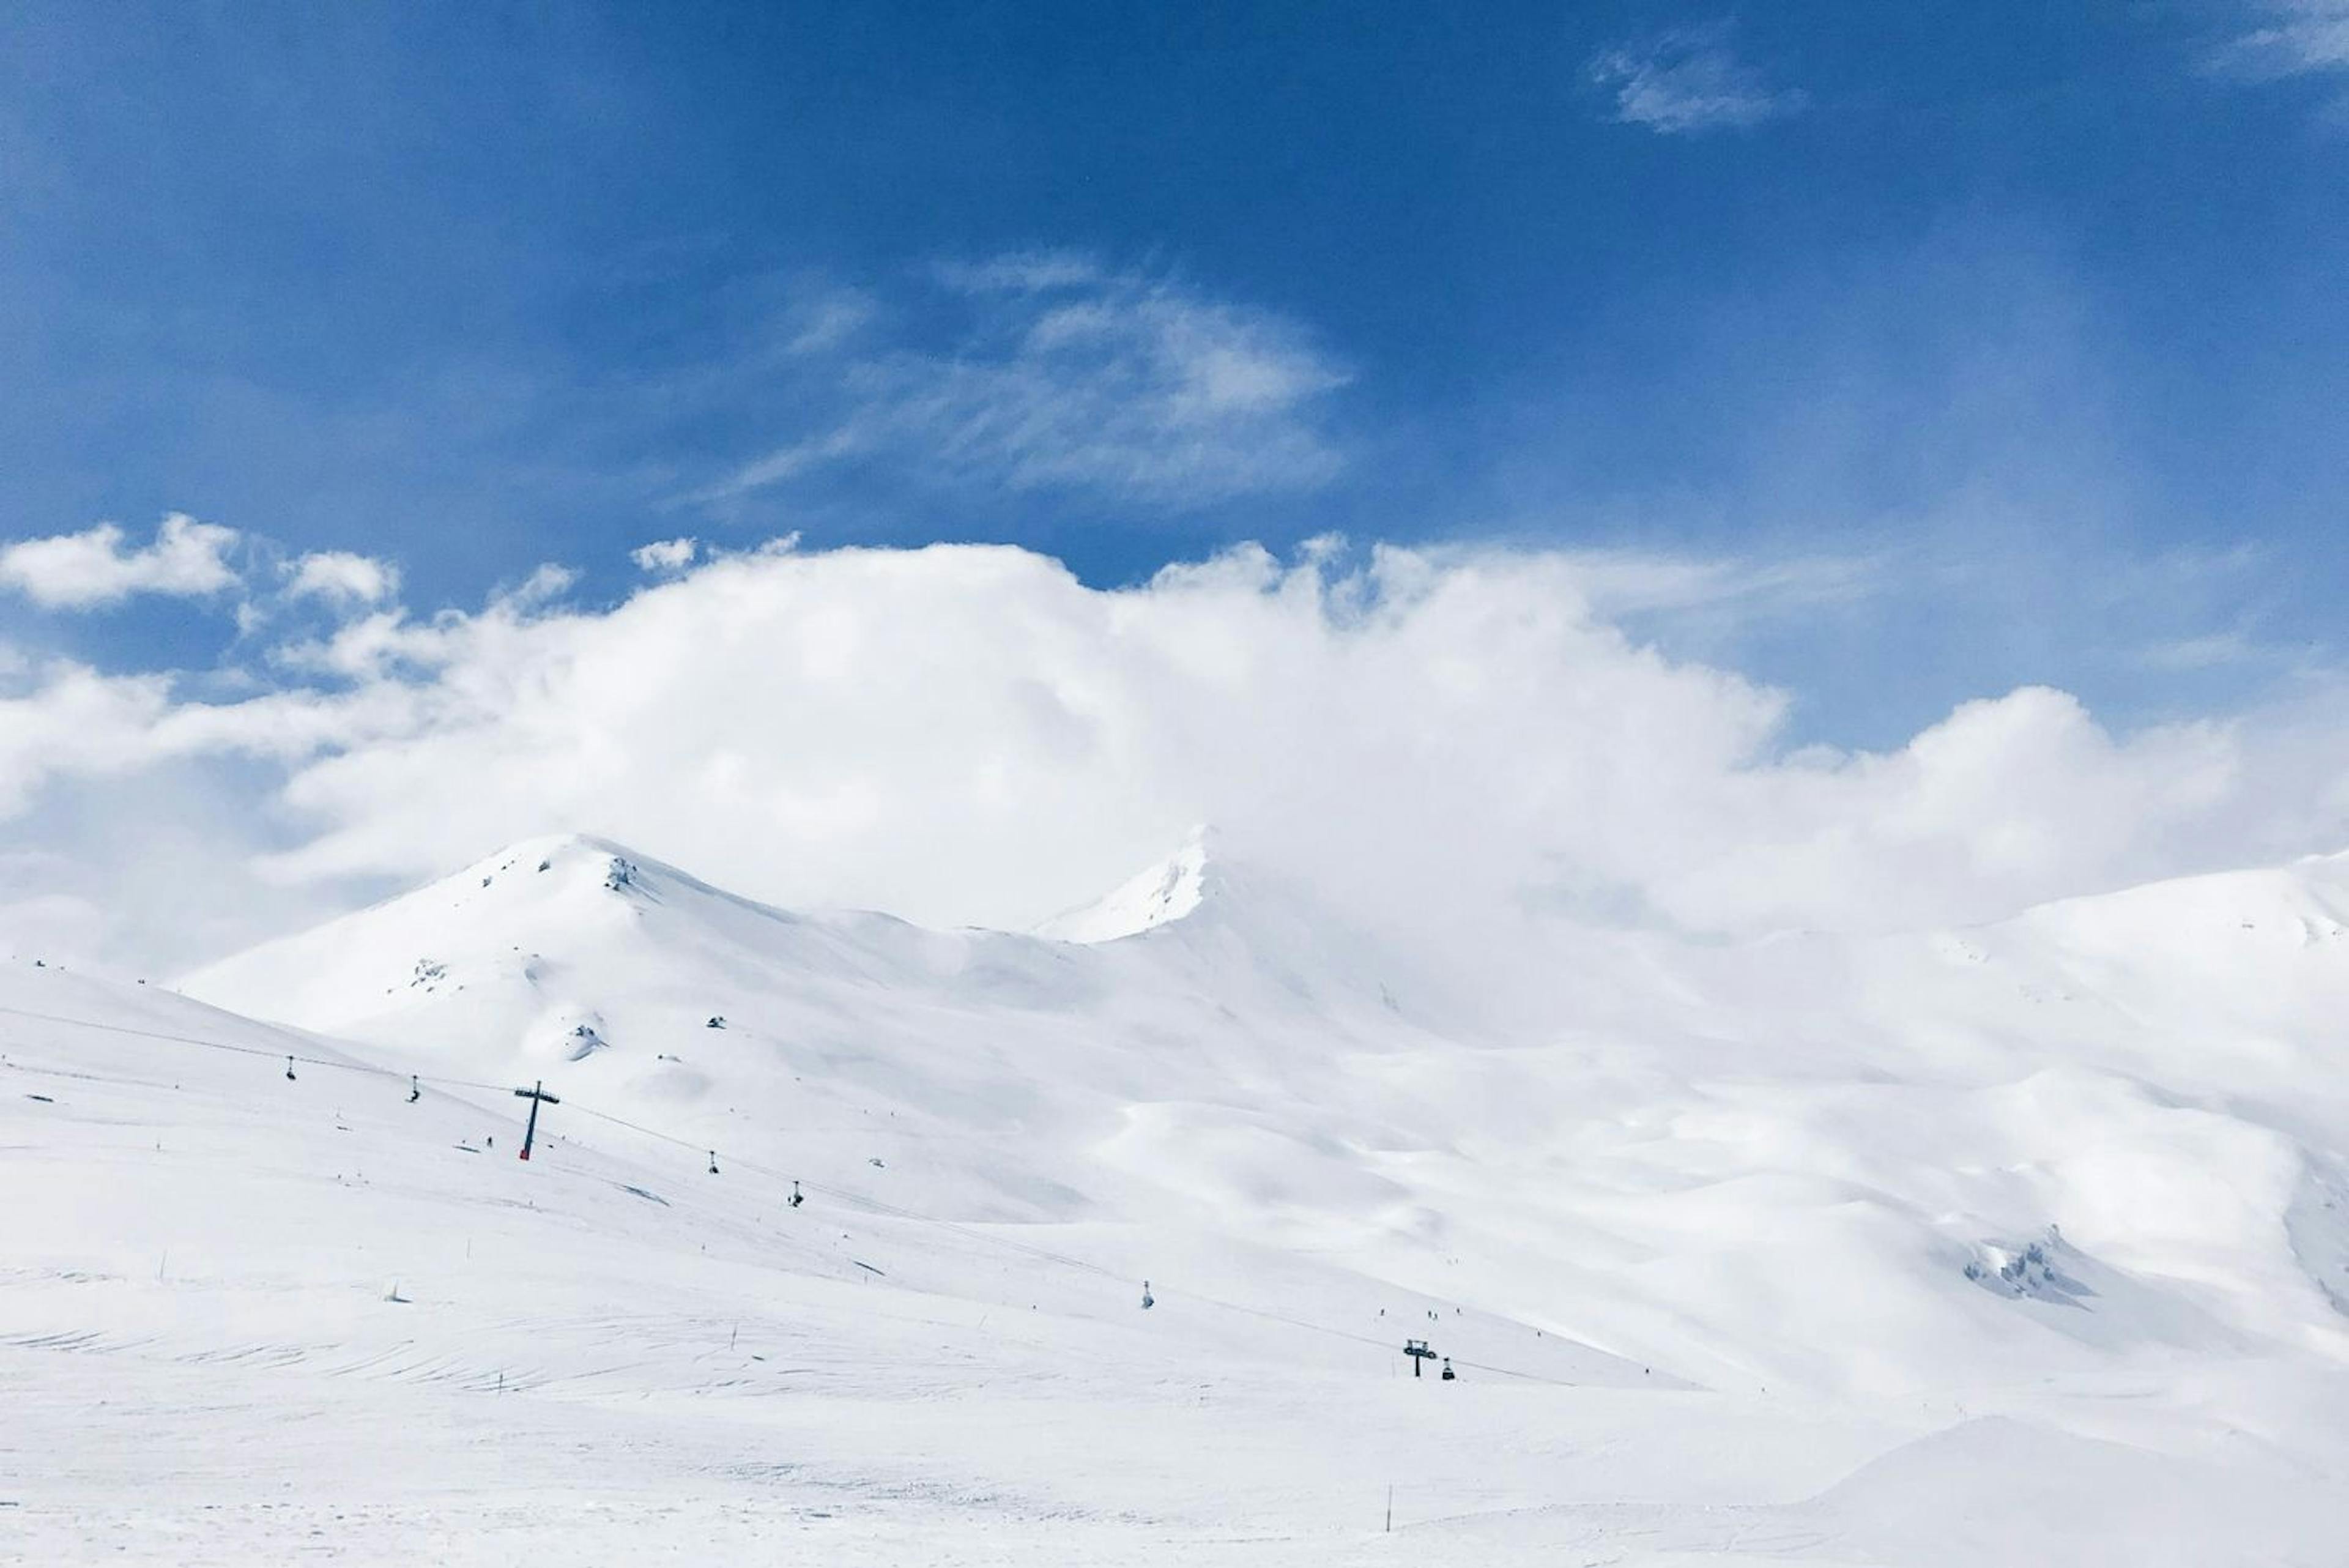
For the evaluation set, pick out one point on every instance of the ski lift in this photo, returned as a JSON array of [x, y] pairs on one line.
[[796, 1198], [713, 1162], [1449, 1376], [289, 1069], [415, 1090], [1148, 1301]]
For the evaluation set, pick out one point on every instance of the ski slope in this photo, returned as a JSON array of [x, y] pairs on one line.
[[2028, 1241]]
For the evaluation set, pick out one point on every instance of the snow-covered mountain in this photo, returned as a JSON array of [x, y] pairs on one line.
[[2058, 1206], [1910, 1108], [1169, 890], [836, 1035]]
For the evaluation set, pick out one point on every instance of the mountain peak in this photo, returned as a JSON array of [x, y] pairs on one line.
[[1165, 891], [548, 850]]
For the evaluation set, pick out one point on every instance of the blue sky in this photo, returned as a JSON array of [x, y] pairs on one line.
[[1994, 343]]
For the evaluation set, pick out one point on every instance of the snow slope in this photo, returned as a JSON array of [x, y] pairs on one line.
[[1803, 1251]]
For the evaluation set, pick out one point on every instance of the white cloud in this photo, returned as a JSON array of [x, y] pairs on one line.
[[2292, 37], [664, 554], [788, 463], [1072, 376], [1687, 81], [2209, 651], [548, 581], [86, 570], [1435, 740], [71, 721], [341, 576], [828, 319], [1024, 272], [1623, 583]]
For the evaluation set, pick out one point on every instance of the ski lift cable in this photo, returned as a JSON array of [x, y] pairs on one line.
[[863, 1201], [877, 1205], [866, 1200], [250, 1050]]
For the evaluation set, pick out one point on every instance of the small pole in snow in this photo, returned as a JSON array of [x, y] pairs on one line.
[[538, 1095], [1390, 1507]]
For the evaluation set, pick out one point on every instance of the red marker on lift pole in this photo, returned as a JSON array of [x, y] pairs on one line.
[[538, 1095]]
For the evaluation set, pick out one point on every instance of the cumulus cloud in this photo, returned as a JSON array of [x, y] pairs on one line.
[[664, 554], [341, 577], [88, 570], [73, 722], [1069, 375], [1435, 739], [1689, 80], [69, 721]]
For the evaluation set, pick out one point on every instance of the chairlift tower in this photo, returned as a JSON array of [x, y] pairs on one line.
[[538, 1095]]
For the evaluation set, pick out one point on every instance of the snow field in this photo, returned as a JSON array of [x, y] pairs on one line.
[[2028, 1239]]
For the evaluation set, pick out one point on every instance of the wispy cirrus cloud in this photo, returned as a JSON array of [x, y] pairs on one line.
[[828, 319], [1687, 81], [1061, 372], [2289, 38]]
